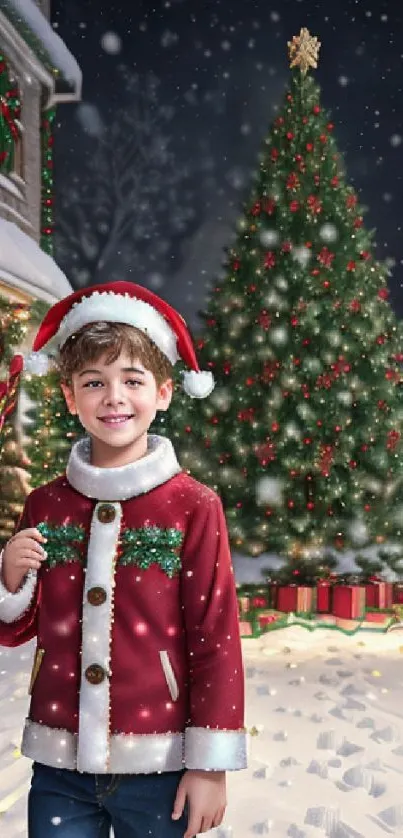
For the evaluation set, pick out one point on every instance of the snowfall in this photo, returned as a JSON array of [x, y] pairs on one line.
[[325, 734]]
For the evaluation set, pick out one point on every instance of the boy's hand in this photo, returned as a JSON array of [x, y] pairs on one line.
[[207, 800], [22, 552]]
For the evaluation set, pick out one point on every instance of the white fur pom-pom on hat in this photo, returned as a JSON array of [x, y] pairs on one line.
[[125, 302], [198, 385], [37, 363]]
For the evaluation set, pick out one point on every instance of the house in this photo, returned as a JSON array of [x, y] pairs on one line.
[[37, 72]]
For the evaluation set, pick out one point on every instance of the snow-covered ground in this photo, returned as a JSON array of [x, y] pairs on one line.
[[325, 717]]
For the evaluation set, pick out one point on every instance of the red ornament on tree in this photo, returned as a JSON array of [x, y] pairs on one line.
[[325, 257], [264, 320], [270, 259], [268, 206]]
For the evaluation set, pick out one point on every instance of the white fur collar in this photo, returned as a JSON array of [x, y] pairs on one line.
[[137, 478]]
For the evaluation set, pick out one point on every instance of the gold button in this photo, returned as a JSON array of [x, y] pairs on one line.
[[95, 674], [106, 513], [96, 596]]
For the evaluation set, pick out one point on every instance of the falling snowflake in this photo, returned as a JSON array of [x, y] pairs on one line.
[[269, 490], [279, 336], [269, 237], [343, 81], [275, 17], [226, 46], [395, 140], [90, 119], [302, 255], [168, 38], [328, 232], [111, 43]]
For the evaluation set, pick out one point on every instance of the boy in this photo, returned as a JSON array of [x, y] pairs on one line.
[[121, 569]]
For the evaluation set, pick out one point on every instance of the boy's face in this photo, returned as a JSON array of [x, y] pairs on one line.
[[116, 403]]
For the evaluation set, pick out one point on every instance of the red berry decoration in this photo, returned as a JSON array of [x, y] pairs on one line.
[[309, 146], [275, 427], [290, 135], [316, 109]]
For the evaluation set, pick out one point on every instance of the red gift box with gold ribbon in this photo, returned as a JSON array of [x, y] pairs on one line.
[[324, 591], [349, 601], [398, 593], [296, 598], [379, 594]]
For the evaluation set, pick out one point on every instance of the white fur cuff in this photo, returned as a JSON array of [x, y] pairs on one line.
[[215, 750], [13, 606]]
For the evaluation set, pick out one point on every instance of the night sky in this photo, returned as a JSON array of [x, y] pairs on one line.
[[222, 68]]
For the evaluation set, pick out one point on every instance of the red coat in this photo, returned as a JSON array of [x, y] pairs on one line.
[[138, 664]]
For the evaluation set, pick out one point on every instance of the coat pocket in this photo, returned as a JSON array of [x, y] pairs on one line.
[[35, 668], [169, 676]]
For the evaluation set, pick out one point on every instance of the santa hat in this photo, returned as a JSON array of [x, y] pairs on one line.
[[123, 302]]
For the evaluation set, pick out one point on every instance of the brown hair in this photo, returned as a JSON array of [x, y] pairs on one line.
[[92, 341]]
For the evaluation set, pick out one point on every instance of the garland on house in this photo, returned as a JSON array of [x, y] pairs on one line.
[[10, 111], [47, 201]]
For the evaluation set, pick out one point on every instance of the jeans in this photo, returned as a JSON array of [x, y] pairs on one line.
[[67, 804]]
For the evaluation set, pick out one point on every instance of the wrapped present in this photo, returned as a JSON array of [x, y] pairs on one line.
[[246, 628], [398, 593], [243, 605], [296, 598], [379, 594], [349, 601], [259, 601], [324, 590], [272, 592], [265, 618], [250, 597]]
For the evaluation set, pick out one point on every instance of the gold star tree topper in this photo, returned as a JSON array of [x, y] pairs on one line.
[[303, 51]]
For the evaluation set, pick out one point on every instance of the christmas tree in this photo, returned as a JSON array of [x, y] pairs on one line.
[[52, 429], [302, 435], [14, 318]]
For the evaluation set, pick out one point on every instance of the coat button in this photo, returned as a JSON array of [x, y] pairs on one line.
[[96, 596], [95, 674], [106, 513]]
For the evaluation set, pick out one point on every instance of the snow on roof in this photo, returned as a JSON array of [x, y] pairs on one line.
[[25, 266], [25, 14]]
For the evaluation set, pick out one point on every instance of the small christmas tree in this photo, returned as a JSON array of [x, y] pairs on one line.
[[302, 435], [51, 430], [13, 463]]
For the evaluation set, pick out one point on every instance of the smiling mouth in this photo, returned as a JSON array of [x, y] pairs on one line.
[[116, 420]]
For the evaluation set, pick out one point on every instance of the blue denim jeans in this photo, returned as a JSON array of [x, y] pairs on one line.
[[67, 804]]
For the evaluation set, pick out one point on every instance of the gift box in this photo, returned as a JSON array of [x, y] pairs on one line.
[[266, 618], [243, 605], [324, 590], [296, 598], [398, 593], [246, 628], [251, 597], [272, 594], [379, 594], [349, 601]]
